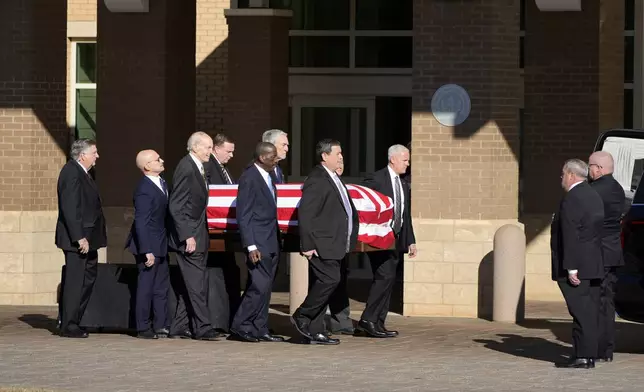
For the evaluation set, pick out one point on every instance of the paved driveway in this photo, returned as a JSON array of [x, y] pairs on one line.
[[432, 354]]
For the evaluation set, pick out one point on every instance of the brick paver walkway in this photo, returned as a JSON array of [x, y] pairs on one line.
[[430, 355]]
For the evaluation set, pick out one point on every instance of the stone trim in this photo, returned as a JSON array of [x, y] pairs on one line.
[[559, 5], [257, 12], [81, 29]]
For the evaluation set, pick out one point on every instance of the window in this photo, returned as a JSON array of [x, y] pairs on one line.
[[83, 93], [350, 36], [629, 62]]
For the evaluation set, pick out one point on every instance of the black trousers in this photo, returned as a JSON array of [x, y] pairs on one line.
[[252, 315], [583, 306], [384, 266], [339, 302], [192, 297], [607, 314], [324, 278], [225, 288], [153, 285], [79, 278]]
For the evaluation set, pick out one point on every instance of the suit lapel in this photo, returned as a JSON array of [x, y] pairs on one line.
[[153, 185], [197, 173], [386, 181], [335, 188], [264, 186]]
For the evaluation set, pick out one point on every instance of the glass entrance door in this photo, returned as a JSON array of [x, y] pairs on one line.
[[351, 121]]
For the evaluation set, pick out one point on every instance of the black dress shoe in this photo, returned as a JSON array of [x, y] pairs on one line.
[[76, 333], [301, 326], [608, 358], [345, 331], [577, 363], [185, 334], [271, 338], [210, 335], [242, 336], [162, 332], [147, 334], [320, 338], [370, 329], [390, 334]]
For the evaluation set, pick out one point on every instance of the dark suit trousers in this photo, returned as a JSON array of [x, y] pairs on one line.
[[607, 314], [384, 266], [339, 303], [192, 304], [324, 278], [152, 289], [225, 288], [80, 275], [583, 306], [252, 315]]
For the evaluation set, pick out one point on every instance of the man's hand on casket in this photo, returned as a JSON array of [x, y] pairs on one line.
[[255, 256], [310, 253]]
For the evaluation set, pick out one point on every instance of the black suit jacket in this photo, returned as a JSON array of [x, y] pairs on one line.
[[380, 181], [148, 233], [80, 213], [614, 200], [322, 218], [576, 231], [187, 206], [257, 212], [215, 173]]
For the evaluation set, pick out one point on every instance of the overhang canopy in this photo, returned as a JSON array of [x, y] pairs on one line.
[[128, 5], [559, 5]]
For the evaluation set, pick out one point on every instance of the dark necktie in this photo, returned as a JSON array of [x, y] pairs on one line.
[[164, 186], [397, 207], [226, 175]]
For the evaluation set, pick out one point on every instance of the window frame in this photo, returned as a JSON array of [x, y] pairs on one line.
[[74, 86]]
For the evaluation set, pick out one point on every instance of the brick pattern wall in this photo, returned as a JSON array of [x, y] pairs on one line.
[[257, 81], [212, 65], [611, 64], [81, 10], [469, 171], [33, 128]]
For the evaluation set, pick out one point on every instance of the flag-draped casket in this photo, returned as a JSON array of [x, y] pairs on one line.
[[375, 211]]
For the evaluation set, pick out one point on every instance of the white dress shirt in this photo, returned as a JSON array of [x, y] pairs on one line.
[[198, 163], [269, 184], [392, 176], [157, 181]]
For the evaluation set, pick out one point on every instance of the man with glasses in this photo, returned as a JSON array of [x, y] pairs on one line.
[[148, 242], [600, 167], [80, 232]]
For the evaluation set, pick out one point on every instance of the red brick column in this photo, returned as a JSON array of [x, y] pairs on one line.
[[465, 177], [145, 99], [257, 77]]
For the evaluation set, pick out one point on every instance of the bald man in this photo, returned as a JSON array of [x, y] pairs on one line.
[[600, 168], [148, 242]]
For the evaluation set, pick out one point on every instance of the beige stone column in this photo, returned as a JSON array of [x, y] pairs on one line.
[[34, 141], [464, 176], [298, 280]]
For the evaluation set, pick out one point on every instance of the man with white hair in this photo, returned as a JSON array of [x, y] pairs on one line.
[[384, 263], [189, 237], [577, 265], [279, 139], [600, 166], [80, 232]]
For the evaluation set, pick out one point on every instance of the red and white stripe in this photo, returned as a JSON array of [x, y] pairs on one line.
[[375, 211]]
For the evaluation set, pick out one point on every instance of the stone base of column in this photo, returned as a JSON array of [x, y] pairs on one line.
[[453, 272], [299, 280]]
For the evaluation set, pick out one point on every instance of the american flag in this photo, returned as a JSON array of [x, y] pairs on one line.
[[375, 211]]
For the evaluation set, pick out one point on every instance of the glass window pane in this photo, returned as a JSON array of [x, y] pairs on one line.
[[384, 15], [86, 62], [384, 52], [332, 52], [628, 108], [316, 14], [86, 114], [629, 15], [629, 59]]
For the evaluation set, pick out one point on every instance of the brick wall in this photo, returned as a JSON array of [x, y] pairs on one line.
[[257, 79], [81, 10], [212, 65], [32, 102]]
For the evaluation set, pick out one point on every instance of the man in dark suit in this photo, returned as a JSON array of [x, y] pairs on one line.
[[189, 237], [600, 166], [257, 220], [80, 232], [577, 264], [279, 139], [148, 242], [384, 263], [328, 223], [225, 290]]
